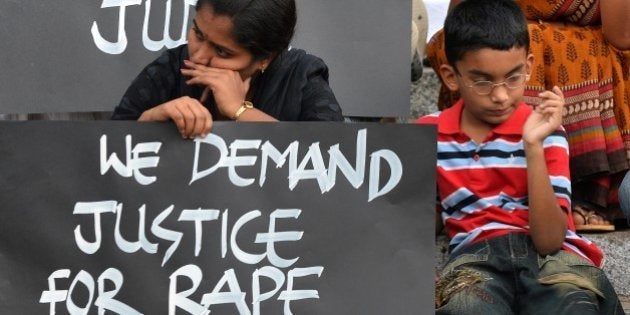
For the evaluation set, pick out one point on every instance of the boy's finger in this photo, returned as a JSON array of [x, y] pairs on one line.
[[556, 90]]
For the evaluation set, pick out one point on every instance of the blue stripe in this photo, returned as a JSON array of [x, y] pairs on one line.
[[463, 201], [486, 162], [499, 153], [557, 139], [561, 187]]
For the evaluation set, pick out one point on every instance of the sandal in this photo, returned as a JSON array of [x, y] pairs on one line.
[[586, 220]]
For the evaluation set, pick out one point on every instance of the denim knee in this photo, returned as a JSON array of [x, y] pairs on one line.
[[564, 298], [568, 268], [466, 286]]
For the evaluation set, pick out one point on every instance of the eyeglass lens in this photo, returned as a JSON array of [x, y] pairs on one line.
[[486, 87]]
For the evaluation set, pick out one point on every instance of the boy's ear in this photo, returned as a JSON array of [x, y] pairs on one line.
[[529, 66], [448, 75]]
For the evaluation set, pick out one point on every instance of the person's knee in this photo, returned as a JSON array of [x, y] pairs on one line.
[[573, 283], [466, 291], [454, 282], [568, 298]]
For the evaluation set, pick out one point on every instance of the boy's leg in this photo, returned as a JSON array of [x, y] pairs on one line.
[[568, 284], [470, 284], [561, 299], [479, 294]]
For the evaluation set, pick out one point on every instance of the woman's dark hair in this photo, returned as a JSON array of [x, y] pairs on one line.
[[263, 27], [478, 24]]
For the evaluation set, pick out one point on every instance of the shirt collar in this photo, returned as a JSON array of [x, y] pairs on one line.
[[450, 120]]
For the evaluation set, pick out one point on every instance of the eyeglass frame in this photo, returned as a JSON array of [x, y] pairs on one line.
[[475, 85]]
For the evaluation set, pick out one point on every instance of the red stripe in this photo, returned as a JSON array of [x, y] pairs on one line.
[[582, 90], [564, 8], [586, 146]]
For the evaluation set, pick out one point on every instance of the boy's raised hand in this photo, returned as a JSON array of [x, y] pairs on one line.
[[545, 118]]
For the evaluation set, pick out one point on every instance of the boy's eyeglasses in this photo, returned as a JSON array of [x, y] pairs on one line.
[[512, 82]]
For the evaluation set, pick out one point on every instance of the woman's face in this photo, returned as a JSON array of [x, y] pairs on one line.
[[210, 43]]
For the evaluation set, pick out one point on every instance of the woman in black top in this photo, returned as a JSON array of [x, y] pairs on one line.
[[236, 66]]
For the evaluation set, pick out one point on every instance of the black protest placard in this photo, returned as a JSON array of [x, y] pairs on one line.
[[76, 56], [301, 218]]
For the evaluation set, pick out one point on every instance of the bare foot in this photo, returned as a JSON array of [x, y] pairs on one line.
[[596, 219], [578, 218]]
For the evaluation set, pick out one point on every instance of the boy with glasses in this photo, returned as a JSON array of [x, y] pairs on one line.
[[503, 180]]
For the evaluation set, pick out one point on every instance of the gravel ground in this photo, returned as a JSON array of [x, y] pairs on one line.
[[423, 96]]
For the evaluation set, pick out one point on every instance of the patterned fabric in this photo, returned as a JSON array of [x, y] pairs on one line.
[[580, 12], [593, 76], [482, 188]]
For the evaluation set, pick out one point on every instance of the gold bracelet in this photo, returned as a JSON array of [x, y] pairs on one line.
[[245, 106]]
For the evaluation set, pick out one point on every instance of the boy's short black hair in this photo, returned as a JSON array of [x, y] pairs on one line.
[[477, 24]]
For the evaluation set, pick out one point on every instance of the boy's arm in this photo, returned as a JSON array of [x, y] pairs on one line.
[[547, 221]]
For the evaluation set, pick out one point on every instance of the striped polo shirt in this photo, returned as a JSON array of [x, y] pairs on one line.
[[482, 187]]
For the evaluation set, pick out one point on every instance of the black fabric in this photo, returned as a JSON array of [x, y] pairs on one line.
[[293, 88]]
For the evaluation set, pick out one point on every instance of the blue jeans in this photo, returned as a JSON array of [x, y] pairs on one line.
[[505, 275], [624, 196]]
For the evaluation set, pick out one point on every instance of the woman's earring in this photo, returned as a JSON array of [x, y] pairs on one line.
[[262, 68]]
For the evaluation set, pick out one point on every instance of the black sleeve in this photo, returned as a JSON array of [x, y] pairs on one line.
[[319, 102], [156, 84]]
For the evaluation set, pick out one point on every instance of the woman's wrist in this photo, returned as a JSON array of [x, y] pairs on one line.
[[246, 105]]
